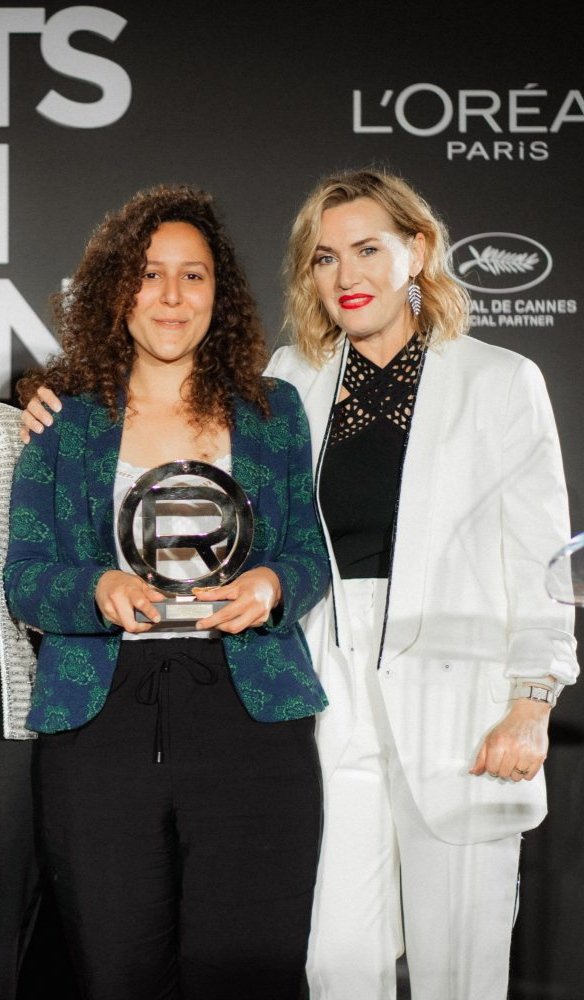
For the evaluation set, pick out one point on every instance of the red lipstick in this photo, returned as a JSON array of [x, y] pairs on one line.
[[355, 301]]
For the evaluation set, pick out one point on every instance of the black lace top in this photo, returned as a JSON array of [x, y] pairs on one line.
[[360, 477]]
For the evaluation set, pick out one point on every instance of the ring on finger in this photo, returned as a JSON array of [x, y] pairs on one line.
[[521, 770]]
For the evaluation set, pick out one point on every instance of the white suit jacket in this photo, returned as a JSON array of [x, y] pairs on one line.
[[483, 507]]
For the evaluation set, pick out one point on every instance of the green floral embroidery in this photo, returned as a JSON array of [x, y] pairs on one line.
[[264, 535], [112, 645], [301, 436], [255, 699], [75, 665], [96, 700], [98, 505], [292, 579], [32, 466], [83, 619], [273, 661], [105, 470], [294, 707], [56, 718], [72, 440], [251, 425], [86, 543], [27, 527], [310, 539], [239, 641], [278, 435], [29, 579], [64, 506], [99, 422], [63, 584], [301, 486], [48, 618], [250, 475]]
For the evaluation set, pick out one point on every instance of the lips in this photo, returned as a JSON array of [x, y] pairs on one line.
[[354, 301], [170, 321]]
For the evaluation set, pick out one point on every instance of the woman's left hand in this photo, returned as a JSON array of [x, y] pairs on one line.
[[517, 747], [251, 596]]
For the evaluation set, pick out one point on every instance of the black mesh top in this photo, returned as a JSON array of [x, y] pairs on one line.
[[360, 477]]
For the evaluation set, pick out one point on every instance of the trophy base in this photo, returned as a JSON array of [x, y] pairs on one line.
[[181, 611]]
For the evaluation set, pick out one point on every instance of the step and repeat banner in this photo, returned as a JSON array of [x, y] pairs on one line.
[[480, 107]]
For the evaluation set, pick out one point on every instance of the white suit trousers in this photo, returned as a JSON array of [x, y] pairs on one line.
[[458, 902]]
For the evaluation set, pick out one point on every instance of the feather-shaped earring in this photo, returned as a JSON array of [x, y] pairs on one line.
[[414, 297]]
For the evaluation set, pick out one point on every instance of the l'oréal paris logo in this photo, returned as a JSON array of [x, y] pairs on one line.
[[498, 263]]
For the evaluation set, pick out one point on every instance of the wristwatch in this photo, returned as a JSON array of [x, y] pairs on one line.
[[537, 692]]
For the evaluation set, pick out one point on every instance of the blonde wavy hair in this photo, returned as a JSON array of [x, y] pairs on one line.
[[445, 303]]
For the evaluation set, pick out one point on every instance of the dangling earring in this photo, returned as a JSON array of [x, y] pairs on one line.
[[414, 297]]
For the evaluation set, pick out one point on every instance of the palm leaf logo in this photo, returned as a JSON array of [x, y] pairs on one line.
[[499, 261]]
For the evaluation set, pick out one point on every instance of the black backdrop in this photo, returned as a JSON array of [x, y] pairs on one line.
[[480, 106]]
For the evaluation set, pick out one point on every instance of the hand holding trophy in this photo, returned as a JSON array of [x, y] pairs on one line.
[[192, 510]]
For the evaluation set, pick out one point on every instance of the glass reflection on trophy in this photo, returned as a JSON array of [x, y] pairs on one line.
[[565, 573], [182, 525]]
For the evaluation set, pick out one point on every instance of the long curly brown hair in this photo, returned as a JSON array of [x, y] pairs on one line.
[[97, 349]]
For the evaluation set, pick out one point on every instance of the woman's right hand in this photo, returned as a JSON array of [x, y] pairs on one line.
[[118, 594], [36, 417]]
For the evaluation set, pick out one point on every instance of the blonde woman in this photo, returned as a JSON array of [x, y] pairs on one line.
[[440, 487]]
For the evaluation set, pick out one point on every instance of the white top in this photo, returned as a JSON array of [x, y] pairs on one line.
[[178, 564]]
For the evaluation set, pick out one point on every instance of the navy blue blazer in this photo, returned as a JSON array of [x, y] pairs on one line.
[[62, 540]]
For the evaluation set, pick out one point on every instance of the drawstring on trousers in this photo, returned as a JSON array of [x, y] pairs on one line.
[[152, 691]]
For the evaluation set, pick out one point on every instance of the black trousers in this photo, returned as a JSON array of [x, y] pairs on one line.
[[181, 835], [19, 876]]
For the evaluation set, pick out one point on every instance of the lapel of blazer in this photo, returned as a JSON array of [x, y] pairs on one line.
[[102, 449], [416, 504], [246, 449], [318, 400]]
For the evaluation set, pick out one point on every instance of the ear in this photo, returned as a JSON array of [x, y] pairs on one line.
[[417, 253]]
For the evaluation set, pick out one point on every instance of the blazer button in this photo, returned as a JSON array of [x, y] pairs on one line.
[[446, 666]]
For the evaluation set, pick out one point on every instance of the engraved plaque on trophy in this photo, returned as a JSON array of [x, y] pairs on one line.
[[183, 525]]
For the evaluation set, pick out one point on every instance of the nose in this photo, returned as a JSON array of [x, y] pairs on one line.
[[348, 272], [171, 291]]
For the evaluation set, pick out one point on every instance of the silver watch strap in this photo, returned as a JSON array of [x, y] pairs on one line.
[[537, 691]]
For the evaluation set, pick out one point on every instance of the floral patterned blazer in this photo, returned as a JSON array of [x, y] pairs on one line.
[[62, 540]]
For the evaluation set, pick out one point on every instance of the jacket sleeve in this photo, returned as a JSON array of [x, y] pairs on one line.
[[302, 563], [535, 524], [48, 589]]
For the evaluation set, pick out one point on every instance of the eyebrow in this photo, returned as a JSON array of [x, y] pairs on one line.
[[358, 243], [183, 263]]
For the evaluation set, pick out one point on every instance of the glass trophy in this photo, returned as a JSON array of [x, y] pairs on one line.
[[183, 525], [565, 573]]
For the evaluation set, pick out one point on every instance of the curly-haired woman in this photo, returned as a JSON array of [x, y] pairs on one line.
[[178, 777]]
